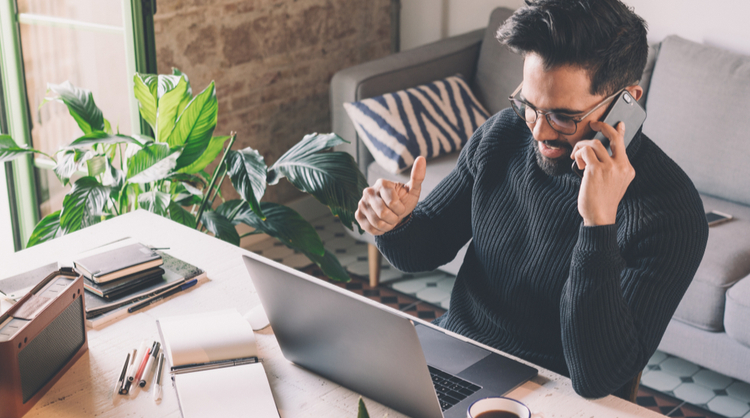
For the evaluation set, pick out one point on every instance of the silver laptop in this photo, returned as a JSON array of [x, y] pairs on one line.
[[375, 350]]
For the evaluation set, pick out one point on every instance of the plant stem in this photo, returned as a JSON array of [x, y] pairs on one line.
[[218, 187], [114, 206], [201, 208], [256, 232], [234, 212]]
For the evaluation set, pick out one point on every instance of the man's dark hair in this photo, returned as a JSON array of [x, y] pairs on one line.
[[604, 37]]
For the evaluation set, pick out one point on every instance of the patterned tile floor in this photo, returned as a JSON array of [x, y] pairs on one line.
[[671, 386]]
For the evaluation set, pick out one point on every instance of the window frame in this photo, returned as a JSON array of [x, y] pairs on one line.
[[19, 208]]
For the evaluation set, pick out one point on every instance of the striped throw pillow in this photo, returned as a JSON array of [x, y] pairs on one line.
[[429, 120]]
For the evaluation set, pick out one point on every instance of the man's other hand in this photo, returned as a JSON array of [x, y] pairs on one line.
[[606, 178], [384, 205]]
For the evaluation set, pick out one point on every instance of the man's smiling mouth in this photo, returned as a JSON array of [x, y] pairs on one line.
[[555, 144]]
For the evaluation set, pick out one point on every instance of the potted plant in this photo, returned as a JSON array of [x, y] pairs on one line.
[[166, 174]]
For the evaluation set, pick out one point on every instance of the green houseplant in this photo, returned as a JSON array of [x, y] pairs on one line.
[[166, 174]]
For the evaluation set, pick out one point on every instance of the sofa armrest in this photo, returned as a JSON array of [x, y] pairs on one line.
[[447, 57]]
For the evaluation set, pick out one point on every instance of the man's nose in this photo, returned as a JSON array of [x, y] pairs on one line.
[[542, 130]]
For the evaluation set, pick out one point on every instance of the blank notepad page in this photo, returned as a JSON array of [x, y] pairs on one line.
[[239, 391]]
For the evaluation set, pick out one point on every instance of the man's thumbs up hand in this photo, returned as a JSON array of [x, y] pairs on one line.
[[384, 205]]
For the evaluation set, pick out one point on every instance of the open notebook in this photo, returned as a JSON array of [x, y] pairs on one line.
[[213, 359]]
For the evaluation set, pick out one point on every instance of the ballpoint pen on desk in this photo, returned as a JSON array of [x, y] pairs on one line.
[[156, 391], [138, 359], [118, 383], [125, 386], [143, 365], [149, 372], [160, 296]]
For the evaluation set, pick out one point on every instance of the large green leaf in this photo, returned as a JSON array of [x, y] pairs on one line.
[[289, 228], [152, 82], [47, 229], [168, 106], [186, 195], [330, 265], [221, 227], [282, 223], [154, 201], [115, 179], [195, 126], [146, 100], [362, 410], [192, 179], [83, 204], [188, 93], [165, 84], [247, 170], [80, 103], [69, 162], [178, 214], [331, 177], [9, 150], [215, 145], [154, 162], [101, 137], [310, 144], [96, 165]]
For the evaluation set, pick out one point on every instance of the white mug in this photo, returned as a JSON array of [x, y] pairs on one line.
[[498, 404]]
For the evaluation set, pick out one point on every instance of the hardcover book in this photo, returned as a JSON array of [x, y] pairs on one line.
[[101, 311], [125, 285], [118, 262]]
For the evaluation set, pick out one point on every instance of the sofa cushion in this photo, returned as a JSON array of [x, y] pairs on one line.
[[697, 113], [428, 120], [737, 315], [726, 260], [648, 71], [499, 70]]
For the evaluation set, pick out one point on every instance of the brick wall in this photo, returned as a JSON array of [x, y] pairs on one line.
[[272, 61]]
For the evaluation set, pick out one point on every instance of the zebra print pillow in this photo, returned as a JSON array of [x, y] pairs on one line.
[[428, 120]]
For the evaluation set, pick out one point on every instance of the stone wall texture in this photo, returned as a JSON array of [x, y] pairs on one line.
[[272, 61]]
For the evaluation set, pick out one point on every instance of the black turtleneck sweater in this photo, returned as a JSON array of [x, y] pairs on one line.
[[591, 303]]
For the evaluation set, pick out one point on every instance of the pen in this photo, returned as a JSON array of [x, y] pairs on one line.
[[161, 296], [156, 391], [118, 383], [149, 372], [143, 366], [125, 386], [138, 358]]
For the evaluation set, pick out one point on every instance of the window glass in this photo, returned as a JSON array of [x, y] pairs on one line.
[[86, 56], [103, 12]]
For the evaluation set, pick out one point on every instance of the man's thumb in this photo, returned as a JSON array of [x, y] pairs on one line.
[[418, 172]]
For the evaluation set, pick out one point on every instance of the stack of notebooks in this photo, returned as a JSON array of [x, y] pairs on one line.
[[120, 271], [121, 277]]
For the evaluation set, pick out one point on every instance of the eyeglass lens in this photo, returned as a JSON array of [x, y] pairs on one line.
[[562, 124]]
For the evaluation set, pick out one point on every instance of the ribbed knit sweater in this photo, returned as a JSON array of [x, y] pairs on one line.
[[591, 303]]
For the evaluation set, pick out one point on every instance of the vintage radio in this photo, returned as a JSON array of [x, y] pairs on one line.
[[41, 337]]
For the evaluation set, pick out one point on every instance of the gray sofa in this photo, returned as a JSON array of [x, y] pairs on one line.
[[698, 103]]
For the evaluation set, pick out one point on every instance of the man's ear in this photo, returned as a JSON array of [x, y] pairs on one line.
[[636, 91]]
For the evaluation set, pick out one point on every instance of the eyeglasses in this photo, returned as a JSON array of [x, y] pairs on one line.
[[565, 124]]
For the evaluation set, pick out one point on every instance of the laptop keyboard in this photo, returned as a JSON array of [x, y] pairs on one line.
[[450, 389]]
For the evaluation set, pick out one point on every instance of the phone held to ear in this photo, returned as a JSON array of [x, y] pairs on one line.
[[624, 108]]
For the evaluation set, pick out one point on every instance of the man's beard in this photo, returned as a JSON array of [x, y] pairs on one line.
[[556, 167]]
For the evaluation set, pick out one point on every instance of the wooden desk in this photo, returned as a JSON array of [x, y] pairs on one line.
[[86, 389]]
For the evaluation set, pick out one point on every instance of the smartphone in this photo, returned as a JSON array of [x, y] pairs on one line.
[[624, 108], [715, 218]]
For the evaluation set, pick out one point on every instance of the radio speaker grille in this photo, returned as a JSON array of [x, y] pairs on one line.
[[51, 350]]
